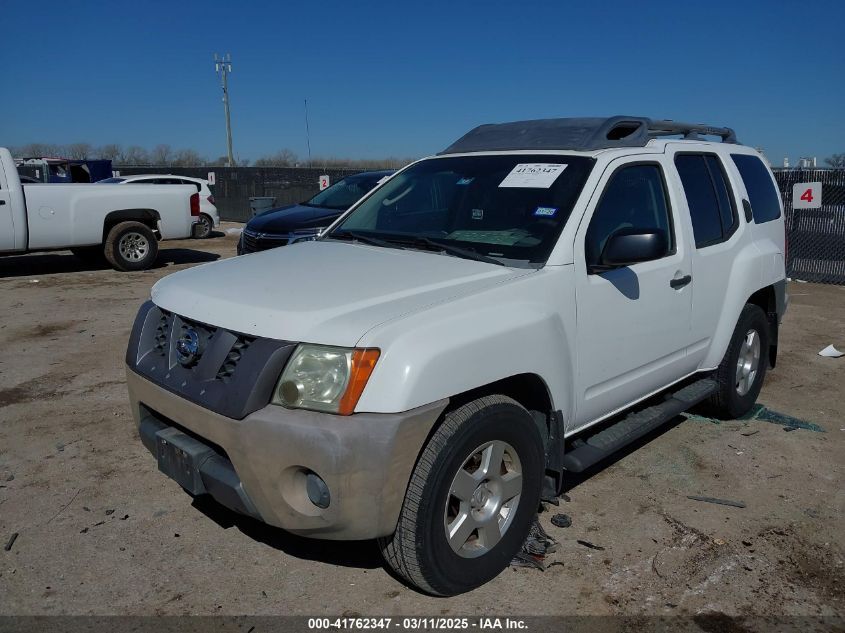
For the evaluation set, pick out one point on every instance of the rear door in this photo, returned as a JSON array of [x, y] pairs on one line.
[[709, 201], [633, 322]]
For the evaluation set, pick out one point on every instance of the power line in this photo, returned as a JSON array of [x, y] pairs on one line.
[[223, 66]]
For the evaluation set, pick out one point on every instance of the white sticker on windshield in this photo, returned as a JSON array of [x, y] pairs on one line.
[[533, 175]]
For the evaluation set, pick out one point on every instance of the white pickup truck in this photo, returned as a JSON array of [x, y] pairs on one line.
[[122, 224]]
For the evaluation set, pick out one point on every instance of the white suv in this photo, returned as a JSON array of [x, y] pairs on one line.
[[525, 303], [208, 218]]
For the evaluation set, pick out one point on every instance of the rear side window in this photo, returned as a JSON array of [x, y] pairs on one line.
[[708, 196], [190, 182], [765, 204], [727, 208]]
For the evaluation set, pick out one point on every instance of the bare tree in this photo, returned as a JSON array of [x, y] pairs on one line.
[[38, 150], [837, 161], [187, 158], [361, 163], [161, 155], [109, 152], [79, 151], [134, 155], [282, 158]]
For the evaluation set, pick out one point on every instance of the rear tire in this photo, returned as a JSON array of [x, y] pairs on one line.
[[203, 227], [471, 499], [131, 246], [741, 372]]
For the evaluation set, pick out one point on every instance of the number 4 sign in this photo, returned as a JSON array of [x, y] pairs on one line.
[[807, 195]]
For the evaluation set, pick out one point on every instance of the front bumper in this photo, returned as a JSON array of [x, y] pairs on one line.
[[365, 459]]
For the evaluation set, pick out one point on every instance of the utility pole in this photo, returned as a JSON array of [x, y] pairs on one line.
[[307, 133], [223, 67]]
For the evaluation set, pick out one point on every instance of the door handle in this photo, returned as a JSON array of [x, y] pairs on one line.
[[680, 282], [2, 202]]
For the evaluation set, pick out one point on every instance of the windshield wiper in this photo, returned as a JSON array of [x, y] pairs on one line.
[[455, 250], [362, 237]]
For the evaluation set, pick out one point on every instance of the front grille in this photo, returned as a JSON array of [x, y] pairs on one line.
[[162, 333], [233, 357], [231, 373], [254, 242]]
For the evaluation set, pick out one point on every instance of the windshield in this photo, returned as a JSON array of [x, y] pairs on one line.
[[107, 181], [344, 193], [511, 207]]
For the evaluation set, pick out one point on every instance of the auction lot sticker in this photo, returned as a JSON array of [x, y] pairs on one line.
[[533, 175], [807, 195]]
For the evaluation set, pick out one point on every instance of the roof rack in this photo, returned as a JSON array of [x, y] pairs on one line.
[[690, 131], [584, 134]]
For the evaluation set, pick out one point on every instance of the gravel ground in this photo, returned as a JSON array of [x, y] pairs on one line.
[[101, 531]]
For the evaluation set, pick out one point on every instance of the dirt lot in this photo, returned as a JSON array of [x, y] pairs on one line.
[[102, 532]]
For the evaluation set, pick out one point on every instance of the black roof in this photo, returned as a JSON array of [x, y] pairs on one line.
[[583, 134]]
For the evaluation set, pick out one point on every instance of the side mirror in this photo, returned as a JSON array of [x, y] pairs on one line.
[[630, 246]]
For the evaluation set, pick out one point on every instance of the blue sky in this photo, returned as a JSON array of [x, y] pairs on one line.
[[407, 79]]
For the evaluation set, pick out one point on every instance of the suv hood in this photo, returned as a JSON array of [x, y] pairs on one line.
[[322, 292], [292, 218]]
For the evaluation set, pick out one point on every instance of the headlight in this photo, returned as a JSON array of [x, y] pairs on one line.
[[324, 378], [307, 235]]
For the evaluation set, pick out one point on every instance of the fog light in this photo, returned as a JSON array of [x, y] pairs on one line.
[[318, 491]]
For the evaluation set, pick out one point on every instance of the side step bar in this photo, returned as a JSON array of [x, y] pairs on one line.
[[596, 447]]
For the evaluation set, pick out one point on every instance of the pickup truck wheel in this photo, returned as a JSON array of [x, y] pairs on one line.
[[740, 375], [131, 246], [471, 499], [203, 227]]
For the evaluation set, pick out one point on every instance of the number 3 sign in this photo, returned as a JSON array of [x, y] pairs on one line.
[[807, 195]]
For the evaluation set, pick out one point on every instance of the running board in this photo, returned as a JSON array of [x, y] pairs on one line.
[[596, 447]]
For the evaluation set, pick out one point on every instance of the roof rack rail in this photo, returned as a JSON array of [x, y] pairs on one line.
[[584, 134], [690, 131]]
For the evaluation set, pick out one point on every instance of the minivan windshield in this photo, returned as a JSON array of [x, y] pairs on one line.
[[509, 207]]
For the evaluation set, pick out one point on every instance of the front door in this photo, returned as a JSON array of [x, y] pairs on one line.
[[633, 321]]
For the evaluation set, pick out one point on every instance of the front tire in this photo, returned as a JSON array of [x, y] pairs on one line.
[[131, 246], [741, 372], [471, 499]]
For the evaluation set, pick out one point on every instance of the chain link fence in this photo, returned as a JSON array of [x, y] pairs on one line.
[[816, 237]]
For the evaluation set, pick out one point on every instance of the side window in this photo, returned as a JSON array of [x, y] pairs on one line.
[[634, 198], [708, 197], [189, 182], [765, 204], [727, 206]]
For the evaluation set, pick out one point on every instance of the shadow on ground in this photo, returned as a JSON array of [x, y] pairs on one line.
[[361, 554], [65, 262]]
